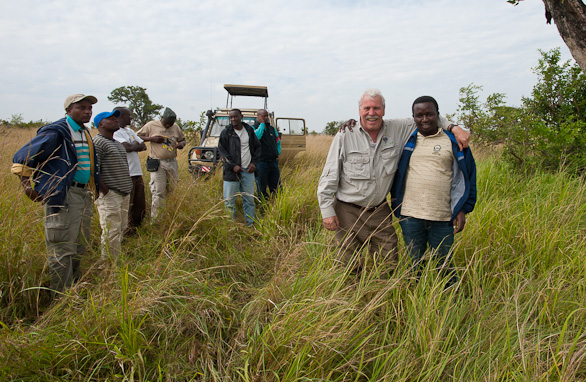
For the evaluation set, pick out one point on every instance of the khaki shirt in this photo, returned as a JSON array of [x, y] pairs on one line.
[[163, 150], [358, 171], [428, 184]]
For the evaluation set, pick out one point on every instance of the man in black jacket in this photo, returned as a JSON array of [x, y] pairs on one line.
[[268, 174], [240, 151]]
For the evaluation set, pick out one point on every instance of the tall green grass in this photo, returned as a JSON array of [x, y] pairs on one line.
[[198, 297]]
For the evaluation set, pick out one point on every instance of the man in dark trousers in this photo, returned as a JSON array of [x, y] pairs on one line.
[[240, 151], [58, 168], [268, 174]]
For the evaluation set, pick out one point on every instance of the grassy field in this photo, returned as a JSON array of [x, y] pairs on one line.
[[199, 298]]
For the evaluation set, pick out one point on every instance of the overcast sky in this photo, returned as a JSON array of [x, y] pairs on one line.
[[315, 57]]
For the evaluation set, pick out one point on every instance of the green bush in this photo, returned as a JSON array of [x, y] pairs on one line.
[[547, 130]]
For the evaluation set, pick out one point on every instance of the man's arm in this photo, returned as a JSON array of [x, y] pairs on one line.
[[134, 146], [260, 130], [328, 184]]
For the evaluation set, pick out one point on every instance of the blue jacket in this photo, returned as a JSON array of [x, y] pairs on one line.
[[50, 159], [463, 192]]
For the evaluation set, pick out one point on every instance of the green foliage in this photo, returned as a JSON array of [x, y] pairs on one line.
[[547, 131], [332, 127], [138, 102]]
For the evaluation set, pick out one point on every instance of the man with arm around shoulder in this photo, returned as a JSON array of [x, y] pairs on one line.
[[434, 188]]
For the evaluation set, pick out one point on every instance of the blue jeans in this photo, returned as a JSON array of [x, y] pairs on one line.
[[419, 233], [244, 187], [268, 175]]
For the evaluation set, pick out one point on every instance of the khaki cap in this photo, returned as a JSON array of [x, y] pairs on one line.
[[78, 97]]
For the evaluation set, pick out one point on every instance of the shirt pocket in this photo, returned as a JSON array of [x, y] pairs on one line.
[[390, 157], [357, 165]]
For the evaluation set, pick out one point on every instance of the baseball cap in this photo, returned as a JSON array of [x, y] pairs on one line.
[[78, 97], [106, 114]]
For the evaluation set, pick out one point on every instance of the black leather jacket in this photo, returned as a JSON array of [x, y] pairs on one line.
[[229, 146]]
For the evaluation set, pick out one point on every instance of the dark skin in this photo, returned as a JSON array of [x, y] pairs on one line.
[[426, 117], [236, 120], [81, 113], [124, 120], [107, 127], [160, 139]]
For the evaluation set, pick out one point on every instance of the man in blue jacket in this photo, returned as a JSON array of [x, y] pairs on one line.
[[434, 188], [58, 168]]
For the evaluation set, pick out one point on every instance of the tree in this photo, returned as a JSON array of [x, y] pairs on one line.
[[138, 102], [547, 131], [332, 127], [570, 19]]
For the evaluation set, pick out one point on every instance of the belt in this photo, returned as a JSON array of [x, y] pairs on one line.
[[79, 185], [360, 207]]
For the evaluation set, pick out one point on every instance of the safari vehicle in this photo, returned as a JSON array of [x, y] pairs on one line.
[[205, 158]]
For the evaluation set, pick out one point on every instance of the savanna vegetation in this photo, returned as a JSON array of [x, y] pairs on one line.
[[197, 297]]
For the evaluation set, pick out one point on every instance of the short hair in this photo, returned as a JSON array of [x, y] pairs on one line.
[[371, 93], [424, 99], [121, 108], [238, 110]]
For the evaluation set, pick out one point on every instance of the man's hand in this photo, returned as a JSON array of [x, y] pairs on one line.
[[459, 222], [462, 136], [348, 124], [156, 139], [237, 169], [331, 223], [261, 119], [251, 168], [180, 144], [28, 190]]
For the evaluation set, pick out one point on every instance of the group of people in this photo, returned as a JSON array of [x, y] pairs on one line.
[[424, 163], [65, 168]]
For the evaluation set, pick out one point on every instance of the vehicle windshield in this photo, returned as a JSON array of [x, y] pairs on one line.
[[220, 123]]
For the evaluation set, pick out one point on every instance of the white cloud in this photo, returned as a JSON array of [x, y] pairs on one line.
[[315, 57]]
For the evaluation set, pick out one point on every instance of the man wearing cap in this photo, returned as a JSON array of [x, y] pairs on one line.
[[115, 184], [165, 137], [133, 145], [58, 167]]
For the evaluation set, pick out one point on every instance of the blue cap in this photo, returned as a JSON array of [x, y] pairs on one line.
[[106, 114]]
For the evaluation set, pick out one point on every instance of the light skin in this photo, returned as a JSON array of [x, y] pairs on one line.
[[426, 117], [236, 121], [124, 120], [81, 113]]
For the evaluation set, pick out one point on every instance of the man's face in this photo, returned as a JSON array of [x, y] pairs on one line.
[[125, 119], [235, 119], [426, 118], [110, 124], [371, 113], [262, 116], [80, 112], [168, 122]]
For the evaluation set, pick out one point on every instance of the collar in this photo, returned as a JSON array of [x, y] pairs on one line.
[[73, 124]]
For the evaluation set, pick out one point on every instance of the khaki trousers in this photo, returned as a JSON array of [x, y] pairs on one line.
[[67, 233], [163, 181], [361, 227], [113, 211]]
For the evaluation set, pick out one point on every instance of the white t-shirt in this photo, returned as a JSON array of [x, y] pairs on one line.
[[245, 156], [126, 134]]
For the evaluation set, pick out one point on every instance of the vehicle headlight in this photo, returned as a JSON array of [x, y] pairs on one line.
[[209, 155]]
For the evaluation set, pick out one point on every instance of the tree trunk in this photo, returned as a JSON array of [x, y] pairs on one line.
[[570, 18]]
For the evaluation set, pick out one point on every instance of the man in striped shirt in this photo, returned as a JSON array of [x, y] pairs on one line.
[[115, 185]]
